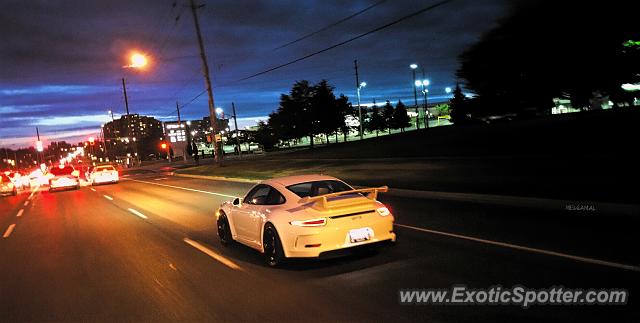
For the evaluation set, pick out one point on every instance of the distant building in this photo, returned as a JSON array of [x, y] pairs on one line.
[[133, 136], [200, 130]]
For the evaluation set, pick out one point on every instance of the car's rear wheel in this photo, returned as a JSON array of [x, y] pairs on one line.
[[224, 231], [273, 253]]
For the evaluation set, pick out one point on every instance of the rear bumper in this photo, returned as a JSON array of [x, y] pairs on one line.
[[322, 241], [64, 185], [105, 180], [6, 192]]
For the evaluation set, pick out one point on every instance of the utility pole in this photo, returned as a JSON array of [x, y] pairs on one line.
[[126, 101], [355, 63], [38, 152], [415, 98], [207, 80], [184, 155], [104, 142], [235, 122], [426, 110]]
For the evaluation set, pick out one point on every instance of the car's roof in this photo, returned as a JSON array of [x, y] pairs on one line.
[[291, 180]]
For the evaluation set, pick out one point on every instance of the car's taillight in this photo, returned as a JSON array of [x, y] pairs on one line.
[[310, 223], [383, 211], [10, 185]]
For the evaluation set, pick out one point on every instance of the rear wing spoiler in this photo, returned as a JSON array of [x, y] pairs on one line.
[[321, 200]]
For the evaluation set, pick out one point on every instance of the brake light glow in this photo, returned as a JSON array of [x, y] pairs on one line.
[[310, 223], [383, 211]]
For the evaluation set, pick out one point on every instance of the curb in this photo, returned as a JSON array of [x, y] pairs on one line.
[[576, 206]]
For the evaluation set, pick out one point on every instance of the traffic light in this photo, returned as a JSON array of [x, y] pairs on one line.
[[163, 146]]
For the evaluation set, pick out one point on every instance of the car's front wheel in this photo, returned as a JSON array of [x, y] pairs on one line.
[[273, 253], [224, 231]]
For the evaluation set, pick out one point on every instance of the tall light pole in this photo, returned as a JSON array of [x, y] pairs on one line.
[[413, 68], [360, 86], [424, 83], [205, 70], [235, 123]]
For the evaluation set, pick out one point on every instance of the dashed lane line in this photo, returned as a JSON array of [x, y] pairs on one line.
[[9, 231], [137, 213], [213, 254]]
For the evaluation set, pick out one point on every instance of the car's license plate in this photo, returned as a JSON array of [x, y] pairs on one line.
[[359, 235]]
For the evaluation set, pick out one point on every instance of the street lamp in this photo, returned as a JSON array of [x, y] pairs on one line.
[[447, 90], [360, 86], [413, 68], [424, 83]]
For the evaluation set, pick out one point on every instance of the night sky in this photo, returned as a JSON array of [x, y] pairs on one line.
[[61, 61]]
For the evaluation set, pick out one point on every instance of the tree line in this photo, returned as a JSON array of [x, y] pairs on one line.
[[309, 110], [544, 51]]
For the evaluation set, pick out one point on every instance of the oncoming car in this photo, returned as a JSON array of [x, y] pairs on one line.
[[63, 177], [305, 217], [104, 174]]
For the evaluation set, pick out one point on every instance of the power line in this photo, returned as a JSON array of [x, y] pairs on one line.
[[347, 41], [330, 25]]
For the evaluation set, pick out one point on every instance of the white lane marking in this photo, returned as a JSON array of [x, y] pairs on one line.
[[184, 188], [26, 203], [34, 191], [93, 189], [20, 213], [160, 179], [108, 197], [9, 230], [529, 249], [138, 213], [212, 254]]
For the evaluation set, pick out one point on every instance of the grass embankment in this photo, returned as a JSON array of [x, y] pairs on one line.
[[578, 156]]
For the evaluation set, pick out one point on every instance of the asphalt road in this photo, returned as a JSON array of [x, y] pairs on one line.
[[129, 252]]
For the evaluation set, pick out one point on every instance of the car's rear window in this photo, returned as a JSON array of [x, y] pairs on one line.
[[57, 171], [102, 168], [318, 188]]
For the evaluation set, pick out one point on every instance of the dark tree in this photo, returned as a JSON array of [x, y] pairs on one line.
[[545, 49], [265, 136], [387, 116], [375, 121], [323, 102], [401, 119], [459, 107]]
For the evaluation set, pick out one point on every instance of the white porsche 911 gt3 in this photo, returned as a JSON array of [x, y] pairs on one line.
[[305, 216]]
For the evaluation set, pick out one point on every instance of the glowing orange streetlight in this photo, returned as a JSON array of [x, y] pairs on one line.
[[138, 60]]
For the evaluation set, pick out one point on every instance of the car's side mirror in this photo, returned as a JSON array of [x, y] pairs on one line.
[[237, 201]]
